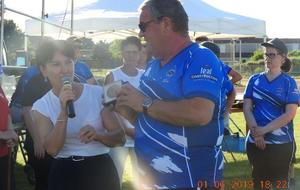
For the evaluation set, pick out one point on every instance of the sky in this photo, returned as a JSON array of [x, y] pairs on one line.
[[282, 16]]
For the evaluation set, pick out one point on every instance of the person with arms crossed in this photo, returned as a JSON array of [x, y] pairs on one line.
[[177, 108], [79, 143], [270, 104]]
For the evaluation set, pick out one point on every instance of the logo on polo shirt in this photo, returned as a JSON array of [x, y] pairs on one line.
[[205, 73], [171, 73]]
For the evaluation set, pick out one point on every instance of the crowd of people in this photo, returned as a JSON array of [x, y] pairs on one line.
[[170, 115]]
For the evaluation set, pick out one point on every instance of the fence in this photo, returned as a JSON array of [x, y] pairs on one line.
[[247, 70]]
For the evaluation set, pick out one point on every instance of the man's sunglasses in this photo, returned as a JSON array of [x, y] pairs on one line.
[[270, 55], [143, 25]]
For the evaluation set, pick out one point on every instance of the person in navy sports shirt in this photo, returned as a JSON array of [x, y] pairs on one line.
[[177, 108], [270, 104], [228, 87], [83, 73]]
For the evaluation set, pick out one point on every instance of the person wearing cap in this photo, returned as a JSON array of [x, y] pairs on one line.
[[270, 103], [228, 87], [201, 39], [235, 76]]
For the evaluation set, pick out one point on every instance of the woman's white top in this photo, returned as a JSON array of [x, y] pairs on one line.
[[87, 108], [118, 74]]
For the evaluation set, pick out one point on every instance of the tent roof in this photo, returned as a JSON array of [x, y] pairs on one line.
[[106, 19]]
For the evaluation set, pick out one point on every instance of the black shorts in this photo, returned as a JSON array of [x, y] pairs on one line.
[[88, 173], [294, 155], [271, 165], [3, 172]]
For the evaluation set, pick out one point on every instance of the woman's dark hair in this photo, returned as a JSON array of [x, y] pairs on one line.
[[131, 40], [287, 65], [49, 47]]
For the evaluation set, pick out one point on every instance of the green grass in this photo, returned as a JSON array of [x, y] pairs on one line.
[[99, 73], [237, 174]]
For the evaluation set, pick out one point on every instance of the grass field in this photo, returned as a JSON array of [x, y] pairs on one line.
[[237, 174]]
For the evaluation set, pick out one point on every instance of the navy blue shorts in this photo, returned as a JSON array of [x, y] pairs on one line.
[[88, 173]]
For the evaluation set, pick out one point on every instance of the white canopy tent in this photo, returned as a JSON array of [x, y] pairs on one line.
[[111, 19]]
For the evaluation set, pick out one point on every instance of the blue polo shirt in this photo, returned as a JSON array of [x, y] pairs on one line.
[[269, 101], [226, 68], [82, 71], [227, 87], [172, 156]]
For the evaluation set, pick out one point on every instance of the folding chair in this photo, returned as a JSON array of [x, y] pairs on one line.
[[234, 142], [21, 131]]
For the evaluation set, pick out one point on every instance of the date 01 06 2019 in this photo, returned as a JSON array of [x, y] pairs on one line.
[[244, 184]]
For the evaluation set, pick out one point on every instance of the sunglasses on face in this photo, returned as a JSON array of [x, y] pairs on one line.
[[270, 55], [143, 25]]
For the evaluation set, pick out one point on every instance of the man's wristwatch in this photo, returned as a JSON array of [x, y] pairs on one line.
[[146, 104]]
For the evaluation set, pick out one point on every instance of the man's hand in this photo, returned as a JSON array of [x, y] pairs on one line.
[[131, 97]]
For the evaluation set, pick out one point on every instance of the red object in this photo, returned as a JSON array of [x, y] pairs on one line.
[[4, 110]]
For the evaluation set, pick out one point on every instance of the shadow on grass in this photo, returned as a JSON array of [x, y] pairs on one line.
[[127, 185], [237, 174], [21, 178], [297, 173]]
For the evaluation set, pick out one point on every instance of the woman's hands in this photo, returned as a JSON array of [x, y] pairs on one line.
[[87, 134], [65, 95], [258, 135], [10, 137]]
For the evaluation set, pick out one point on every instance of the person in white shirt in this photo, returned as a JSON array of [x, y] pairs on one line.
[[80, 145], [128, 72]]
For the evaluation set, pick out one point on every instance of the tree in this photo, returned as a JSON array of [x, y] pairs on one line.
[[115, 49], [102, 54], [87, 43], [257, 55], [14, 39]]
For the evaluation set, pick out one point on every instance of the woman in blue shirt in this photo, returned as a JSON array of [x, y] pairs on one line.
[[270, 104]]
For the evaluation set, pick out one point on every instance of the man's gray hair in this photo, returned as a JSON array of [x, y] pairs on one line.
[[171, 9]]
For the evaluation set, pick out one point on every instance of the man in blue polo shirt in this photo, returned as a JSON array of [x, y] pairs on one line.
[[177, 108]]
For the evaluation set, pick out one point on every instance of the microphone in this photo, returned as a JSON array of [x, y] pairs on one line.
[[66, 80]]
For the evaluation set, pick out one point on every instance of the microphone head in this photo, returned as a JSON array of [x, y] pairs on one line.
[[66, 80]]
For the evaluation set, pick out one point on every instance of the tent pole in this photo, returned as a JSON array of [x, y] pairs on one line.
[[43, 18], [240, 55], [2, 32], [233, 50], [72, 16], [38, 19]]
